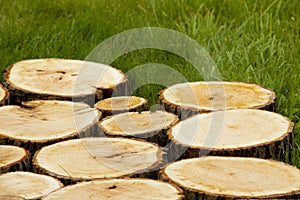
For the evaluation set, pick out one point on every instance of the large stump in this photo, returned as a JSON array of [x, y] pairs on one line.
[[4, 96], [216, 177], [241, 132], [186, 99], [133, 189], [117, 105], [151, 126], [38, 123], [13, 158], [27, 185], [61, 79], [98, 158]]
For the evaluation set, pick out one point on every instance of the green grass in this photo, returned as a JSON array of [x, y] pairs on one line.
[[252, 41]]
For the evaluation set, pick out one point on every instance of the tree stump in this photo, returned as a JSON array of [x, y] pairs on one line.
[[186, 99], [117, 105], [133, 189], [151, 126], [216, 177], [4, 95], [27, 185], [13, 158], [61, 79], [38, 123], [10, 197], [98, 158], [240, 132]]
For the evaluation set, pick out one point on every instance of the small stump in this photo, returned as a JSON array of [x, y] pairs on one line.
[[98, 158], [234, 178], [133, 189], [241, 132], [116, 105], [190, 98], [151, 126], [27, 185], [61, 79], [4, 96], [13, 158], [38, 123]]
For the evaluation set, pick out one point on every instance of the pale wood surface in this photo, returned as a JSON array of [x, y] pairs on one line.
[[92, 158], [234, 130], [27, 185], [13, 158], [212, 96], [234, 177], [3, 95], [134, 123], [62, 77], [118, 189], [120, 103], [44, 121]]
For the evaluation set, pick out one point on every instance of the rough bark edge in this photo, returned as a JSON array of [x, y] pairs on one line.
[[183, 112], [18, 95], [5, 100], [279, 149], [23, 164], [137, 108], [159, 137], [150, 172], [91, 130], [194, 194]]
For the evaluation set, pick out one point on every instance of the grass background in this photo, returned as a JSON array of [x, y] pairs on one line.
[[255, 41]]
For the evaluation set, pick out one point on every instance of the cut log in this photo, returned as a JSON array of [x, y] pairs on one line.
[[61, 79], [4, 96], [117, 105], [38, 123], [98, 158], [13, 158], [27, 185], [186, 99], [216, 177], [10, 197], [151, 126], [133, 189], [240, 132]]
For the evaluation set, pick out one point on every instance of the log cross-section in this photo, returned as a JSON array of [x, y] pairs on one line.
[[4, 96], [240, 132], [98, 158], [186, 99], [61, 79], [217, 177], [38, 123], [133, 189]]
